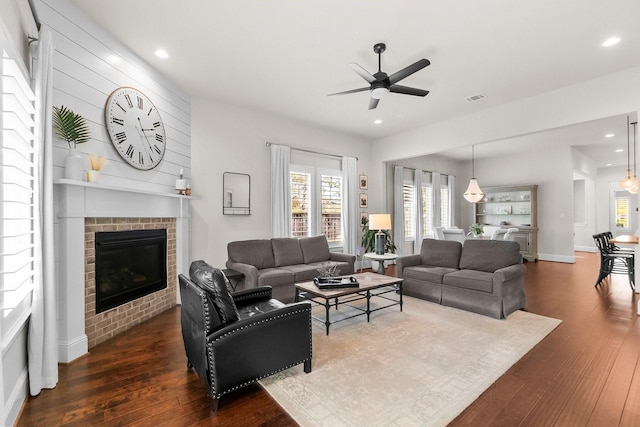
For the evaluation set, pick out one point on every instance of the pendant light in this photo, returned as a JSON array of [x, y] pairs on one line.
[[634, 185], [473, 194], [627, 181]]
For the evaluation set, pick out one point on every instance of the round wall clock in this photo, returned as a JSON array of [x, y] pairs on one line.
[[135, 128]]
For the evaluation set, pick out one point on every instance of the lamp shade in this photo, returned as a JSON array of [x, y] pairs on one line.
[[473, 194], [380, 222]]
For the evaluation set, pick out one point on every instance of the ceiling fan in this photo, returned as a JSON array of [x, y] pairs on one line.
[[381, 84]]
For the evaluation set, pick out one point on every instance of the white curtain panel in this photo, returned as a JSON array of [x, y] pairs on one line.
[[349, 205], [451, 183], [398, 209], [435, 187], [280, 191], [43, 333], [417, 185]]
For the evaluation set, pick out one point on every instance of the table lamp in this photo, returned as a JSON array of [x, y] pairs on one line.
[[380, 222]]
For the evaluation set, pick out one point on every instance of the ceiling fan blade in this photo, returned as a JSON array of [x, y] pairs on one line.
[[350, 91], [406, 72], [361, 72], [373, 103], [408, 90]]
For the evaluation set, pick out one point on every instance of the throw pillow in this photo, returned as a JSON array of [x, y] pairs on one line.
[[217, 285]]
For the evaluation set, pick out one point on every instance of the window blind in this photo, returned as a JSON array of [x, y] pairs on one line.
[[17, 212]]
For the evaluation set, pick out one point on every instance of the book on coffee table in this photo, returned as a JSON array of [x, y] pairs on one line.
[[336, 282]]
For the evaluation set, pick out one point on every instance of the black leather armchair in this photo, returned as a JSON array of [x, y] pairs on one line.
[[256, 337]]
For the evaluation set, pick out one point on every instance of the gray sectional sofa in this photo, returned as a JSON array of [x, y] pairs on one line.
[[282, 262], [482, 276]]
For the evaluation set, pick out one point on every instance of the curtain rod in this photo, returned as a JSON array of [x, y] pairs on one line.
[[407, 167], [268, 144]]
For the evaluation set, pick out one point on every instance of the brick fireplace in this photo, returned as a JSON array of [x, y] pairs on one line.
[[82, 209], [102, 326]]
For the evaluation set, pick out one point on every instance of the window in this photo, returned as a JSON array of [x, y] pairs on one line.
[[331, 211], [316, 203], [444, 207], [622, 212], [300, 204], [17, 221], [409, 206]]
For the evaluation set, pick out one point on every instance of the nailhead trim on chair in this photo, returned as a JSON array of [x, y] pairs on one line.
[[263, 293], [217, 395]]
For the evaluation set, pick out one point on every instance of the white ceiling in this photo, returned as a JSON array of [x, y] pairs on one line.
[[285, 56]]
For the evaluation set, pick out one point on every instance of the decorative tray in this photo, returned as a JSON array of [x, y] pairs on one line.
[[336, 282]]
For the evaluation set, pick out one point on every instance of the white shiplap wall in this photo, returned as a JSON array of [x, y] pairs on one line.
[[89, 64]]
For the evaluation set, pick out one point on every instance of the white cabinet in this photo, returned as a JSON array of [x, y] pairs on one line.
[[512, 206]]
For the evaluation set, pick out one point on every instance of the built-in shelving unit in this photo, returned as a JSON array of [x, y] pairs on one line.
[[512, 206]]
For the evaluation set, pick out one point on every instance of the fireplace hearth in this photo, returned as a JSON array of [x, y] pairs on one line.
[[129, 265]]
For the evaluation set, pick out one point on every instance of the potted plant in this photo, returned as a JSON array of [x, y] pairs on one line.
[[476, 229], [73, 128]]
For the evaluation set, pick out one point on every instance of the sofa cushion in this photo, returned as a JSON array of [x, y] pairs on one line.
[[427, 273], [217, 286], [470, 279], [302, 272], [253, 252], [440, 253], [489, 255], [315, 249], [286, 251], [274, 277]]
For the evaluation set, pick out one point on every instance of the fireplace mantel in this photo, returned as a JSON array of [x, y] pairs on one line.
[[77, 200]]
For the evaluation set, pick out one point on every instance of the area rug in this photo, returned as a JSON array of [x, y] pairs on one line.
[[419, 367]]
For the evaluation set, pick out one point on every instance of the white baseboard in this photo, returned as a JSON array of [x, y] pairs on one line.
[[586, 249], [11, 408], [71, 350], [557, 258]]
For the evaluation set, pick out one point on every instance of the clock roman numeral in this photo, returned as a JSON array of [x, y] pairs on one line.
[[130, 151], [128, 98], [121, 137], [140, 158], [159, 138], [150, 111], [117, 121], [156, 125], [157, 150], [140, 103], [121, 107]]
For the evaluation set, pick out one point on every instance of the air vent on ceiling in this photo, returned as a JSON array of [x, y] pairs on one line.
[[476, 97]]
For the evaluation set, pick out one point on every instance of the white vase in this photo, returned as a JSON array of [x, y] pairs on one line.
[[73, 165]]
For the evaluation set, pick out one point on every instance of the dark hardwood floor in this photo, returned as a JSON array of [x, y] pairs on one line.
[[586, 372]]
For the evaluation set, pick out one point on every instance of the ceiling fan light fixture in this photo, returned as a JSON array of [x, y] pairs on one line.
[[379, 92]]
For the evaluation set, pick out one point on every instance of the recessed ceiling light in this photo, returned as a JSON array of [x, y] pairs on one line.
[[610, 135], [161, 53], [608, 164], [619, 150], [378, 121], [611, 41]]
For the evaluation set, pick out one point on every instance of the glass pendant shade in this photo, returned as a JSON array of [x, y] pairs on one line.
[[473, 194], [627, 181]]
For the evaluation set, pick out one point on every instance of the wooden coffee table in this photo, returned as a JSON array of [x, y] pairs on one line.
[[371, 285]]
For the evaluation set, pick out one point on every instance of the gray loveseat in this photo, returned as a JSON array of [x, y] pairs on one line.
[[281, 262], [483, 276]]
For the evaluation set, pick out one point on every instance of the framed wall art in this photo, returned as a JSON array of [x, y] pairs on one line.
[[364, 200], [364, 182]]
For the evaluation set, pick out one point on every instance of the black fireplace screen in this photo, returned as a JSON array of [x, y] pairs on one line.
[[129, 265]]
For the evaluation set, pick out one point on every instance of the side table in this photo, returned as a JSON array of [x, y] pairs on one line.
[[233, 276], [372, 256]]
